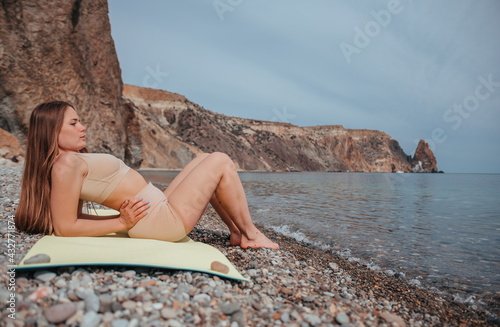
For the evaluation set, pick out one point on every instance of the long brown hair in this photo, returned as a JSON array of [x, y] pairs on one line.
[[33, 213]]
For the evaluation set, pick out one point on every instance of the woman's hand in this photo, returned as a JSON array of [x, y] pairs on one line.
[[132, 211]]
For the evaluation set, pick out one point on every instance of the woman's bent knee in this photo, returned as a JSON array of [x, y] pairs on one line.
[[202, 155], [222, 159]]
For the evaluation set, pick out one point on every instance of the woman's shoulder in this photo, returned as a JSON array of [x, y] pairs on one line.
[[68, 160]]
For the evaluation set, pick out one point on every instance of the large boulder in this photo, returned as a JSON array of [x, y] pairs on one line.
[[11, 152]]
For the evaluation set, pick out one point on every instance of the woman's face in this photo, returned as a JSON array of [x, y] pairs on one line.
[[72, 134]]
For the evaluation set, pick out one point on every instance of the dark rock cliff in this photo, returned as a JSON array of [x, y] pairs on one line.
[[63, 50]]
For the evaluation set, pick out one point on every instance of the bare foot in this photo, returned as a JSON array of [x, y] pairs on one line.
[[235, 239], [258, 241]]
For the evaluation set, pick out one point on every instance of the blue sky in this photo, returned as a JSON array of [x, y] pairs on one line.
[[413, 69]]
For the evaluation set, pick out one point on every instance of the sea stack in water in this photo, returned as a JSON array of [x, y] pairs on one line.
[[424, 160]]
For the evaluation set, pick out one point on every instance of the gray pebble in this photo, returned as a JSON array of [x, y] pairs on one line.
[[256, 304], [342, 318], [228, 308], [92, 302], [285, 317], [119, 323], [60, 312], [61, 283], [86, 280], [188, 318], [174, 323], [122, 295], [116, 306], [399, 275], [310, 298], [183, 288], [152, 323], [266, 301], [389, 272], [313, 320], [219, 291], [90, 319], [134, 323], [392, 319], [72, 296], [82, 293], [147, 307], [129, 273], [295, 314], [39, 258], [168, 313], [239, 318], [4, 295], [105, 300], [252, 272], [129, 305], [44, 276], [104, 289], [203, 299]]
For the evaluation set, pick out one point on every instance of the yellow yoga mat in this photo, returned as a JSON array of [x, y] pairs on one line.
[[120, 250]]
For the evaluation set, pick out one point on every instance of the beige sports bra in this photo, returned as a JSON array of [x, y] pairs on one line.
[[105, 172]]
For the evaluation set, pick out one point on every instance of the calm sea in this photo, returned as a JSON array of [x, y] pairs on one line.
[[440, 231]]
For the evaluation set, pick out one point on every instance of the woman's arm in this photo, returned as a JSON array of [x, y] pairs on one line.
[[67, 179], [82, 215]]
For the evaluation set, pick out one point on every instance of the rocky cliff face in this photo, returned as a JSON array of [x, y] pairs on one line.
[[424, 160], [175, 129], [63, 50]]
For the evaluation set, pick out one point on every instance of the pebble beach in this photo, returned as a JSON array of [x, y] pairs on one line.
[[298, 285]]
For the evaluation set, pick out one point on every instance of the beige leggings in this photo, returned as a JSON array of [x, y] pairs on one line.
[[161, 222]]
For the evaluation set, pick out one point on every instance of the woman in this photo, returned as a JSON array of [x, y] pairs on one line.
[[59, 174]]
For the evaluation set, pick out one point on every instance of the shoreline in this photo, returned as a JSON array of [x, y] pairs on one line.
[[296, 285]]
